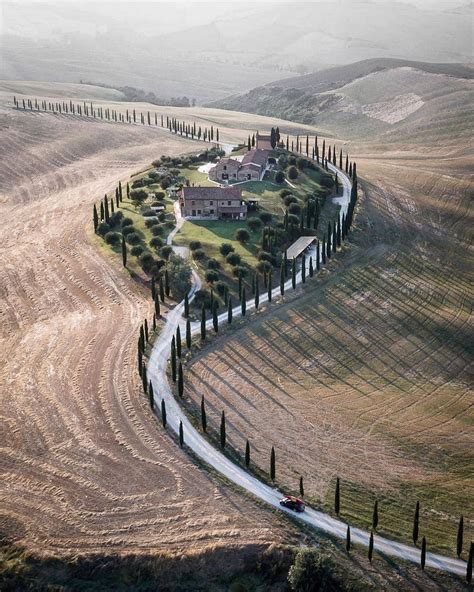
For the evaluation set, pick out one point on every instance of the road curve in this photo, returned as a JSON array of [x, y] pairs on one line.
[[157, 367]]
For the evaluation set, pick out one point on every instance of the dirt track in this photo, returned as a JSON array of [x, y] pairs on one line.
[[84, 466]]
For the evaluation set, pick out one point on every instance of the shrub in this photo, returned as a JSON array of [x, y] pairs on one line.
[[156, 229], [133, 238], [282, 161], [289, 199], [264, 266], [226, 248], [292, 160], [127, 230], [112, 238], [211, 276], [179, 273], [160, 195], [293, 220], [165, 183], [254, 224], [294, 209], [233, 258], [202, 297], [156, 242], [169, 224], [138, 196], [146, 262], [280, 177], [293, 173], [150, 222], [326, 181], [103, 228], [166, 251], [138, 183], [284, 193], [213, 264], [199, 254], [302, 163], [311, 572], [115, 218], [161, 216], [148, 212], [266, 217], [266, 256], [239, 270], [242, 235], [220, 287], [137, 250], [127, 222], [194, 245]]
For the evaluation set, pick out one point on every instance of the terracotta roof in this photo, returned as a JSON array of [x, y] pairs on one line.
[[212, 193], [229, 161], [258, 157]]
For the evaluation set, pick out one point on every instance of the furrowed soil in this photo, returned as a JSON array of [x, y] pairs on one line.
[[85, 467], [368, 376]]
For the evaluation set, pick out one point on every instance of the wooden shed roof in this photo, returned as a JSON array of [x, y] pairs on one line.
[[300, 245]]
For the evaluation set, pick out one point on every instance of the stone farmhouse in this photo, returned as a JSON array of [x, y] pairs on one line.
[[250, 168], [213, 203], [263, 141]]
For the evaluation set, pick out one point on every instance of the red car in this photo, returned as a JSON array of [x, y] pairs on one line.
[[292, 503]]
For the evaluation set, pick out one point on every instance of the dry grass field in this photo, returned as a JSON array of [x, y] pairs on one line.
[[369, 375], [365, 377], [84, 465]]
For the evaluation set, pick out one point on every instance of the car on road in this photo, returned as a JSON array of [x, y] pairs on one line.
[[292, 503]]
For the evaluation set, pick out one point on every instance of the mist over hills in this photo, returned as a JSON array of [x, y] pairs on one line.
[[211, 50], [384, 99]]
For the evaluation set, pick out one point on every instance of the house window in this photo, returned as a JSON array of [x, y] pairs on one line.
[[211, 203], [194, 212], [193, 203], [229, 203], [225, 167], [235, 175], [199, 212], [211, 211]]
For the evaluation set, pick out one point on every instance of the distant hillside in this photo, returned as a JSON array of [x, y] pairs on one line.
[[372, 97]]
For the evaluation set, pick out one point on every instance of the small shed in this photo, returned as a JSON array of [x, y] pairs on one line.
[[299, 246]]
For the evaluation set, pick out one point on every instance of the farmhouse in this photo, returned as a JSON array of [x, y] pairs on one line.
[[251, 168], [263, 141], [213, 203]]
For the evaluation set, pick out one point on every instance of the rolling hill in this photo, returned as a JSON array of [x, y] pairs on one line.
[[383, 98]]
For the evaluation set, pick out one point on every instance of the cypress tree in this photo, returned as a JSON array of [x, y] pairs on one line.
[[124, 252], [101, 210], [375, 515], [334, 237], [161, 289], [311, 270], [146, 331], [153, 288], [120, 191], [272, 464], [323, 250], [269, 287], [348, 539], [150, 391], [371, 546], [163, 412], [203, 415], [416, 523], [95, 218], [188, 334], [215, 318], [140, 360], [112, 209], [157, 307], [423, 553], [337, 497], [257, 293], [154, 322], [347, 163], [223, 430], [459, 541], [303, 268], [247, 456], [203, 323], [117, 197], [338, 231], [178, 342], [128, 191], [106, 209], [181, 434], [173, 359], [167, 283], [180, 380], [243, 303], [469, 564], [318, 256], [229, 311], [142, 338], [282, 280], [144, 379], [186, 306], [328, 247], [340, 159], [301, 487], [293, 273]]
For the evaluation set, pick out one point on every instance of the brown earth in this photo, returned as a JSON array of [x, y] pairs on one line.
[[85, 467]]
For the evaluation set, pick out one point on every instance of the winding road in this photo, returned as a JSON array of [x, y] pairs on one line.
[[157, 367]]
